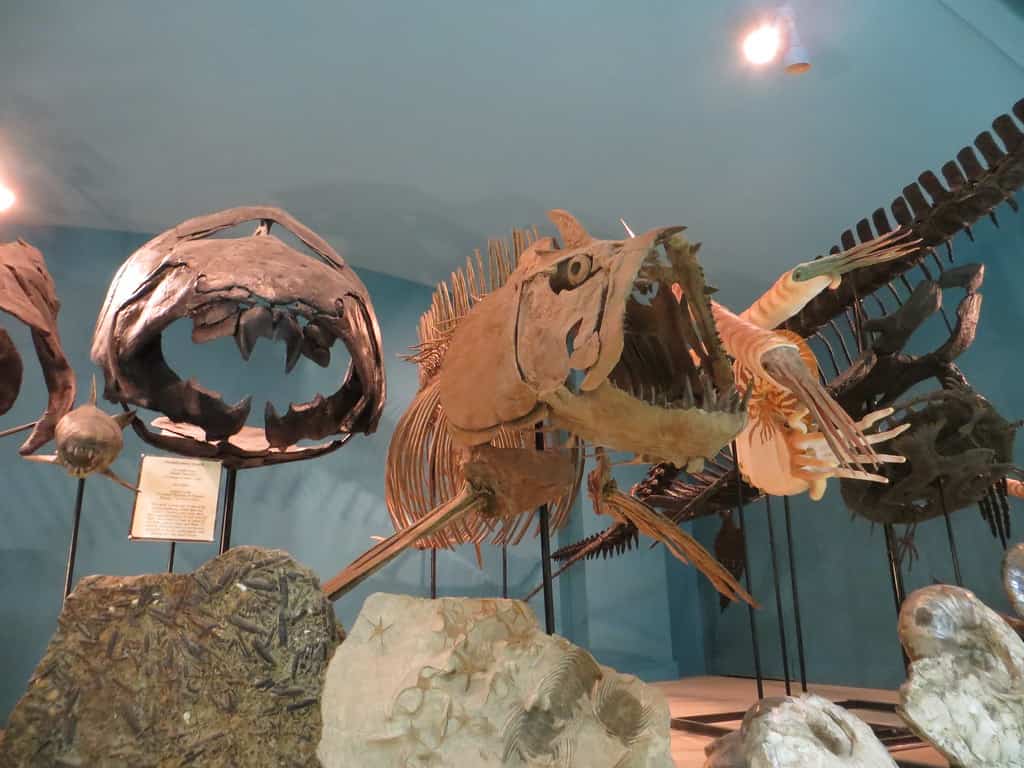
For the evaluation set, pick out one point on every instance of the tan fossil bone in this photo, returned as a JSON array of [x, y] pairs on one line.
[[585, 339], [88, 441]]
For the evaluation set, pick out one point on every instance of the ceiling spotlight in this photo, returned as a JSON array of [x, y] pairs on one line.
[[7, 198], [764, 44]]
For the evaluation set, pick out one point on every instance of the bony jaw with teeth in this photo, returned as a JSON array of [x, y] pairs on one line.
[[88, 441], [560, 341], [248, 288]]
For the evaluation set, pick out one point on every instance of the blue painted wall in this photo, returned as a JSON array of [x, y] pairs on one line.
[[845, 592], [323, 511]]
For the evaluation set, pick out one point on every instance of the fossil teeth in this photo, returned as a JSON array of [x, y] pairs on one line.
[[287, 329], [708, 401], [688, 401], [746, 398], [252, 323]]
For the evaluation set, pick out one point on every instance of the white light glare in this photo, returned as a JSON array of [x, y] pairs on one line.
[[6, 197], [762, 45]]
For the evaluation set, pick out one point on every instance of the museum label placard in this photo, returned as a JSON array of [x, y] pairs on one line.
[[177, 499]]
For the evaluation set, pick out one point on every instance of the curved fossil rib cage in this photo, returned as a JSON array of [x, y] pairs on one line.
[[983, 177], [28, 294], [245, 287]]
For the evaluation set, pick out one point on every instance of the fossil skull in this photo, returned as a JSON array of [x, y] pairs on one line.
[[248, 288]]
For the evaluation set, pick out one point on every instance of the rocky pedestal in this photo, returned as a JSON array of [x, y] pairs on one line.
[[467, 682], [965, 692], [804, 732], [221, 667]]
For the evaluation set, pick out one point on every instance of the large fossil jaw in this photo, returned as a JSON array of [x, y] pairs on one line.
[[678, 432], [246, 288]]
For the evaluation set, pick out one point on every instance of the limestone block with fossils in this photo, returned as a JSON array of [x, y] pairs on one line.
[[461, 681], [803, 732], [220, 667], [965, 691]]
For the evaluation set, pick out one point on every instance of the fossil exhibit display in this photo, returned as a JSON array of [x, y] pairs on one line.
[[856, 333], [803, 732], [27, 293], [617, 344], [220, 667], [247, 288], [965, 688], [475, 682], [88, 441]]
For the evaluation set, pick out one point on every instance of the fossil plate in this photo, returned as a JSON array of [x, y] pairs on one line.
[[469, 682], [220, 667]]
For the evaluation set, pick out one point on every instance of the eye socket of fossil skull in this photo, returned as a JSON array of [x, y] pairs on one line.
[[246, 288], [592, 336]]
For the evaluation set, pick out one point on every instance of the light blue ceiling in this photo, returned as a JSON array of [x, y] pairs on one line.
[[408, 132]]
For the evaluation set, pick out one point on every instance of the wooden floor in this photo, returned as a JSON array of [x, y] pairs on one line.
[[703, 695]]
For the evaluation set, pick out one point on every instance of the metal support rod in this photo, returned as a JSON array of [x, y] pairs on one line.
[[896, 576], [949, 534], [545, 556], [746, 570], [504, 570], [433, 573], [229, 511], [69, 574], [783, 645], [170, 559], [16, 430], [796, 597]]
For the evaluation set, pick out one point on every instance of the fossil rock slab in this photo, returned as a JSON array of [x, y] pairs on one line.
[[470, 682], [965, 693], [804, 732], [221, 667]]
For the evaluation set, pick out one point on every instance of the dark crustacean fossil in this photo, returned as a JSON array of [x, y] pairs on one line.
[[28, 294], [248, 287]]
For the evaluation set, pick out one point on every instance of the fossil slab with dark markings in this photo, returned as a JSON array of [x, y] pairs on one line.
[[220, 667], [476, 682]]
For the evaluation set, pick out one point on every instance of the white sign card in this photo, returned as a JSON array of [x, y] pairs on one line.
[[177, 499]]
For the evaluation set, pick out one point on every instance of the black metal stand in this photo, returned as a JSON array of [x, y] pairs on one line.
[[504, 570], [69, 573], [949, 534], [229, 511], [545, 556], [433, 574], [896, 576], [783, 645], [796, 597], [746, 570], [170, 559]]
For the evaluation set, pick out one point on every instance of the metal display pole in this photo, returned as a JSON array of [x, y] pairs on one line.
[[796, 597], [69, 573], [949, 534], [746, 570], [170, 560], [783, 645], [433, 573], [229, 511], [545, 556]]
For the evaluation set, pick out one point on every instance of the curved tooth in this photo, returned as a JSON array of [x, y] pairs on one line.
[[708, 401], [688, 400], [287, 329], [252, 323], [319, 334]]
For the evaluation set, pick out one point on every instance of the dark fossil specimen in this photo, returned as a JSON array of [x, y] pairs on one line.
[[28, 294], [982, 178], [221, 667], [245, 287]]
